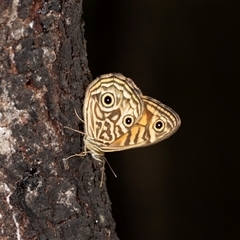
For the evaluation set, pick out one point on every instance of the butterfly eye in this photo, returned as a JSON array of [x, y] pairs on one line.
[[158, 125], [128, 121], [107, 100]]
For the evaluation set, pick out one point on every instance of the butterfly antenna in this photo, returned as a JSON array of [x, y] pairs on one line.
[[78, 115], [115, 175]]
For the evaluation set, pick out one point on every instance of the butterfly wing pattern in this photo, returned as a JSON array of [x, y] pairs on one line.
[[112, 106], [157, 123], [117, 116]]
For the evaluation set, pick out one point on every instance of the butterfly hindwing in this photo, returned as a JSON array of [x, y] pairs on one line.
[[157, 123]]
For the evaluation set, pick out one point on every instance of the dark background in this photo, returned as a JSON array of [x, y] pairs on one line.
[[185, 54]]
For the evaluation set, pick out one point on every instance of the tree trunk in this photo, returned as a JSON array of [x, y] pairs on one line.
[[43, 76]]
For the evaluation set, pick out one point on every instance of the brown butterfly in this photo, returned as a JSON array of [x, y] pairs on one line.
[[117, 117]]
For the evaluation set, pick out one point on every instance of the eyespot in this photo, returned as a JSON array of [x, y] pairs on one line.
[[108, 100], [158, 125], [128, 121]]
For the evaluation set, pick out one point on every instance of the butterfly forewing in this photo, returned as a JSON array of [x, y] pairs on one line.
[[112, 106]]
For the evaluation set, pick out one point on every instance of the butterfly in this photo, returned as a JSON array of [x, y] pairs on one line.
[[117, 116]]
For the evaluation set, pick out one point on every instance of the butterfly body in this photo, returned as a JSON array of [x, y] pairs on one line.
[[117, 116]]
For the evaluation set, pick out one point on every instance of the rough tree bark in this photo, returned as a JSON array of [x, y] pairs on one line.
[[43, 75]]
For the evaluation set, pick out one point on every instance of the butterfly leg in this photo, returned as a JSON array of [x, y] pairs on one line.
[[75, 130], [100, 158], [102, 175], [80, 120], [82, 154], [65, 160]]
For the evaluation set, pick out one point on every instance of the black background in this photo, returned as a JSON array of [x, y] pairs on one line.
[[185, 54]]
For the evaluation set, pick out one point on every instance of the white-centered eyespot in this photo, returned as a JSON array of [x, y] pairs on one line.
[[158, 126], [108, 100], [128, 121]]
